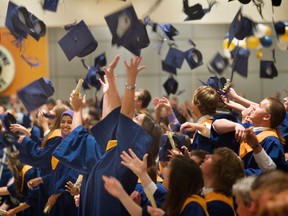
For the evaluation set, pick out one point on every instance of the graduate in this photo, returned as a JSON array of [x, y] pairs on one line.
[[18, 188], [60, 202], [204, 103], [182, 177], [220, 171], [39, 155], [264, 136], [141, 133]]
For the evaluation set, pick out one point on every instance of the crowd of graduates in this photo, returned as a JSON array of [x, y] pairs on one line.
[[218, 154]]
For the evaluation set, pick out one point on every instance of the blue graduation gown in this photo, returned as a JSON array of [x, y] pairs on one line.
[[29, 195], [219, 204], [159, 194], [273, 148], [95, 199], [80, 151], [283, 127], [55, 182], [225, 140]]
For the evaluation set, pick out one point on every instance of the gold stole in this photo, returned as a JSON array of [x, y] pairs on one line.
[[245, 148], [212, 196], [196, 198], [55, 133], [111, 144], [209, 121], [23, 171]]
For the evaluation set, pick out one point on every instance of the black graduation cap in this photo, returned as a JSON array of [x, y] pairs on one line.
[[100, 60], [219, 63], [21, 22], [240, 27], [78, 41], [169, 31], [276, 3], [216, 83], [8, 119], [50, 5], [240, 60], [193, 58], [279, 28], [168, 68], [244, 1], [196, 11], [93, 76], [170, 85], [36, 93], [127, 30], [268, 69], [174, 58]]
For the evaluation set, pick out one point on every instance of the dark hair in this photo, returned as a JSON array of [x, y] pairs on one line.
[[227, 169], [145, 96], [207, 100], [185, 179], [201, 154], [277, 111], [154, 130], [59, 109], [16, 168]]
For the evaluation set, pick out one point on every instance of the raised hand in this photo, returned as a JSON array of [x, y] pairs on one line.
[[133, 69], [77, 101], [109, 72], [134, 163], [113, 186]]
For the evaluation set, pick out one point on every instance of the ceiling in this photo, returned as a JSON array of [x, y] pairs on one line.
[[168, 11]]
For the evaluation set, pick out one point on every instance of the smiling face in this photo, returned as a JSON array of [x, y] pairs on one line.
[[65, 124]]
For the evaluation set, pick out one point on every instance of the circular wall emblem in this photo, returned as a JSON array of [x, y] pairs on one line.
[[7, 68]]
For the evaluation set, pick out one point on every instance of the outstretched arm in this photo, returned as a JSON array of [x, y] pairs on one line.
[[111, 98], [114, 187], [132, 71]]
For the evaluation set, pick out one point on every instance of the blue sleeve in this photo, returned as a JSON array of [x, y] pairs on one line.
[[35, 134], [79, 151], [193, 208], [275, 150], [31, 195], [32, 154], [105, 130]]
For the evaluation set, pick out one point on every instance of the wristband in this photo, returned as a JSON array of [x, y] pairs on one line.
[[130, 87]]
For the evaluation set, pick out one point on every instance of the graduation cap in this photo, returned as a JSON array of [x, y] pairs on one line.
[[127, 30], [219, 63], [50, 5], [240, 61], [240, 27], [221, 85], [93, 76], [78, 41], [36, 93], [196, 11], [193, 58], [21, 22], [174, 58], [170, 85], [279, 28], [276, 3], [268, 69], [100, 60], [168, 68], [8, 119], [169, 31], [244, 1]]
